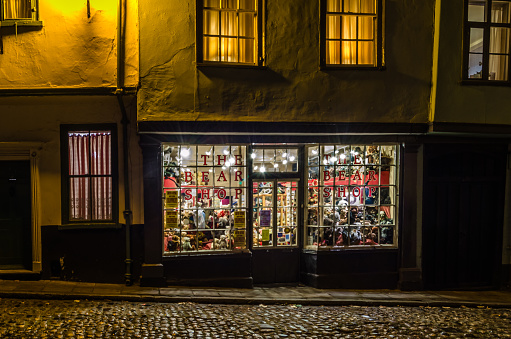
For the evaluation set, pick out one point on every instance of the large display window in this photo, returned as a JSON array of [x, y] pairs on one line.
[[204, 198], [352, 194]]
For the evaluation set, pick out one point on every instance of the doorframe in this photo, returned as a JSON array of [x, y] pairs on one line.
[[13, 151]]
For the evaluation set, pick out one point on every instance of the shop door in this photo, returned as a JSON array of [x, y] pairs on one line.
[[275, 227], [15, 215], [463, 216]]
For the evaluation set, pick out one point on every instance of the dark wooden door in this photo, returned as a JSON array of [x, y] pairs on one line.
[[15, 215], [464, 187]]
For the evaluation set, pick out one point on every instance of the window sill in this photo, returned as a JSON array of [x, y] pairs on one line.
[[7, 23], [228, 65], [351, 68], [478, 82], [88, 226]]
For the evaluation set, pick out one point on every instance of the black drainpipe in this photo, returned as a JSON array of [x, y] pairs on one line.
[[127, 213]]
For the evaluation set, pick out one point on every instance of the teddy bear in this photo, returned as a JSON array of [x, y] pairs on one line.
[[187, 246], [222, 244]]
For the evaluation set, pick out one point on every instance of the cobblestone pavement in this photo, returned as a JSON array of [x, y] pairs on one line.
[[106, 319]]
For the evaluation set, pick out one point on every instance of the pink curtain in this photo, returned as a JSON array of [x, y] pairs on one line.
[[90, 160]]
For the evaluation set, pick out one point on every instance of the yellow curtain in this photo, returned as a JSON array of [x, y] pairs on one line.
[[17, 9]]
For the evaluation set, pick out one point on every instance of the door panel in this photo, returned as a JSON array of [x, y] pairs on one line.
[[15, 215]]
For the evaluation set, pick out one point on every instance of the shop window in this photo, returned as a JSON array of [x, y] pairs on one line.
[[487, 36], [268, 160], [89, 169], [351, 32], [228, 31], [205, 198], [352, 196], [18, 12]]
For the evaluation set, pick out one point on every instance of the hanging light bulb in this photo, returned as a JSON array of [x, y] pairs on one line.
[[226, 151], [292, 158], [343, 156], [314, 151], [275, 165], [255, 168], [253, 155], [284, 154], [333, 160], [185, 152], [284, 161], [262, 169]]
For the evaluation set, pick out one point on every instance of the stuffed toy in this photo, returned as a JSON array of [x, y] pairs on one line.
[[222, 244], [187, 246]]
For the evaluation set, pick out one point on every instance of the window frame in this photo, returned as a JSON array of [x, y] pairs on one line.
[[34, 21], [64, 154], [200, 39], [486, 26], [379, 41]]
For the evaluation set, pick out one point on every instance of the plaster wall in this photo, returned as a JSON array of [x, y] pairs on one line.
[[69, 50], [291, 87], [38, 120], [456, 102]]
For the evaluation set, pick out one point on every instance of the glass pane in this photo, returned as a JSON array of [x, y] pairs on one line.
[[351, 6], [475, 66], [499, 40], [333, 27], [17, 9], [349, 52], [188, 155], [476, 10], [500, 11], [231, 4], [247, 24], [368, 6], [333, 52], [229, 50], [365, 27], [212, 3], [102, 198], [248, 5], [476, 40], [349, 27], [211, 48], [333, 5], [366, 53], [78, 143], [211, 22], [293, 160], [79, 199], [247, 51], [286, 213], [498, 67], [229, 26]]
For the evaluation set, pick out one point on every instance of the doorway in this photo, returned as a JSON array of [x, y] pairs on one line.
[[275, 230], [15, 216]]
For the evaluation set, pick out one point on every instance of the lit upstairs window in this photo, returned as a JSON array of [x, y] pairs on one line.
[[228, 31], [487, 36], [19, 12], [351, 33]]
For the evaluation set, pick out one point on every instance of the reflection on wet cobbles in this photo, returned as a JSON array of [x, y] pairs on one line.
[[105, 319]]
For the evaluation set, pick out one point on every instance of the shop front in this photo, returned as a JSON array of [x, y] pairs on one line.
[[242, 213]]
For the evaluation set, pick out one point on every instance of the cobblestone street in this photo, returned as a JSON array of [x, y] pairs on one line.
[[105, 319]]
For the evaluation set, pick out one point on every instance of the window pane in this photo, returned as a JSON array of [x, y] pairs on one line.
[[368, 6], [248, 4], [231, 4], [333, 27], [102, 198], [79, 197], [211, 49], [476, 10], [366, 53], [499, 40], [475, 66], [349, 52], [101, 157], [500, 11], [78, 153], [349, 27], [17, 9], [476, 40], [229, 26], [247, 24], [351, 6], [247, 54], [229, 50], [498, 67], [333, 5], [365, 27], [212, 3], [211, 22]]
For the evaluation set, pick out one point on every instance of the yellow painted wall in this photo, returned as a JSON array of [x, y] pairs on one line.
[[69, 50], [292, 88], [456, 102]]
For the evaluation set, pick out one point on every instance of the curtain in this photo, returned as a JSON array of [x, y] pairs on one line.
[[17, 9], [499, 43], [90, 195]]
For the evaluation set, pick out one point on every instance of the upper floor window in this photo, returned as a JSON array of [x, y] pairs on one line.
[[351, 33], [228, 31], [18, 11], [486, 45]]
